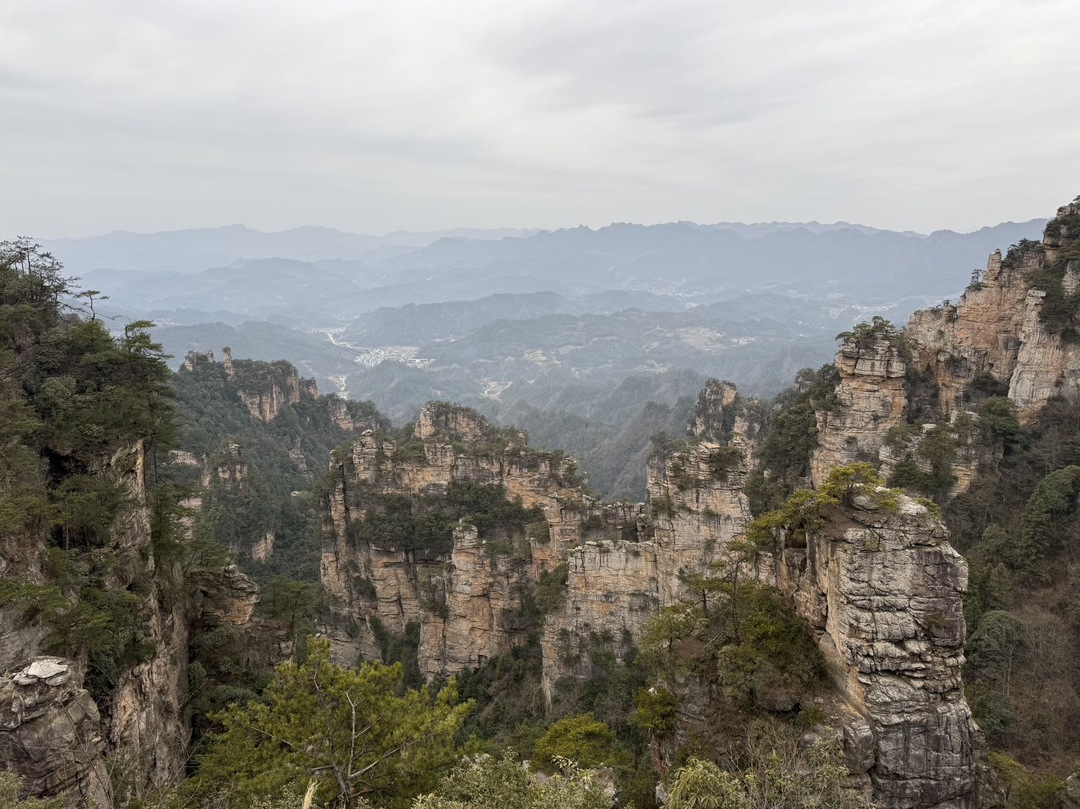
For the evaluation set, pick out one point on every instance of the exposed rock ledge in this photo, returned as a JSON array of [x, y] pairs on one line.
[[51, 733]]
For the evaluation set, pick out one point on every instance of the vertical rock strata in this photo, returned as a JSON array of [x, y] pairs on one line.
[[999, 329], [870, 400], [883, 593], [145, 727], [52, 733], [881, 590], [467, 599]]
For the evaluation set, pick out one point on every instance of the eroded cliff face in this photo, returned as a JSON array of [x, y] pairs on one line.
[[467, 597], [980, 334], [998, 328], [870, 400], [698, 512], [611, 592], [1007, 335], [882, 590], [53, 732], [265, 388]]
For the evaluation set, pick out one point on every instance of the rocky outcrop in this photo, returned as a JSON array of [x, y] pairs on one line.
[[882, 590], [699, 510], [266, 395], [265, 388], [698, 516], [611, 591], [473, 610], [979, 335], [1047, 364], [467, 597], [51, 733], [870, 400], [146, 729], [141, 725], [999, 329], [224, 596]]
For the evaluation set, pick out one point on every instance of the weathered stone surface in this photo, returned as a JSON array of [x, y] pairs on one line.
[[871, 400], [465, 602], [611, 592], [996, 330], [1069, 798], [978, 335], [283, 390], [479, 594], [51, 733], [145, 728], [225, 596], [699, 509], [1046, 365], [884, 593]]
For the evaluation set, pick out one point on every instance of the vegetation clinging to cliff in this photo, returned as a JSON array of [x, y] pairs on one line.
[[790, 437], [79, 410], [280, 462]]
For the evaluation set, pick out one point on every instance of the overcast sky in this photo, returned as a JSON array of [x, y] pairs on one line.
[[368, 117]]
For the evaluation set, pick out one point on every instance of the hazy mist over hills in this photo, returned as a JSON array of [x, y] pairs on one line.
[[534, 328]]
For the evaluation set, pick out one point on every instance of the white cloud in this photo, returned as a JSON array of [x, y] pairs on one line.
[[376, 116]]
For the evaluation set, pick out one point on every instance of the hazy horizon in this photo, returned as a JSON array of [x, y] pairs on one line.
[[524, 229]]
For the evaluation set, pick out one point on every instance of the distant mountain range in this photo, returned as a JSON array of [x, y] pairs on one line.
[[533, 326]]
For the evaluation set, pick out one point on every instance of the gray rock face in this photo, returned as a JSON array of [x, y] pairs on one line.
[[883, 591], [51, 734]]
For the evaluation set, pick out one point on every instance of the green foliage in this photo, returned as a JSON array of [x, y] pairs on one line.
[[748, 640], [766, 650], [802, 512], [983, 386], [355, 732], [1023, 789], [992, 709], [790, 431], [1043, 523], [508, 697], [702, 785], [581, 738], [997, 419], [1021, 551], [1019, 252], [866, 336], [84, 615], [83, 416], [937, 449], [997, 647], [778, 775], [9, 796], [550, 589], [503, 783], [294, 602], [1059, 308], [657, 710], [278, 462], [426, 523]]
